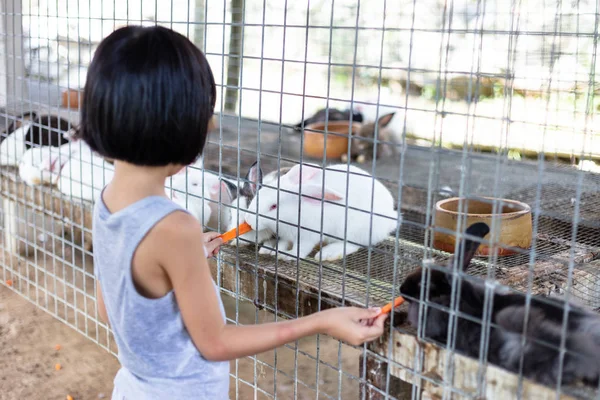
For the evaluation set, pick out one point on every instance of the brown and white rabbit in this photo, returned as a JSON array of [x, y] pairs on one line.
[[507, 315], [363, 142], [358, 211], [330, 114]]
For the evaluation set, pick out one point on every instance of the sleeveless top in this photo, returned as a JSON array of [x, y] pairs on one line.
[[158, 358]]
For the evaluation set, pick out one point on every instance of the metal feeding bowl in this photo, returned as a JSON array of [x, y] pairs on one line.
[[512, 218]]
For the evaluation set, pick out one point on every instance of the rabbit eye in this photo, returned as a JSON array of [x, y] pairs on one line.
[[273, 207], [194, 184]]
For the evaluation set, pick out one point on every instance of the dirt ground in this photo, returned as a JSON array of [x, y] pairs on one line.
[[28, 337]]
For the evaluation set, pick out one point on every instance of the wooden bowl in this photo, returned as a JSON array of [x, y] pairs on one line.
[[337, 143], [514, 222], [71, 98]]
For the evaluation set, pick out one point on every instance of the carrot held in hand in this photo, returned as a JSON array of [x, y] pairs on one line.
[[390, 306], [232, 234]]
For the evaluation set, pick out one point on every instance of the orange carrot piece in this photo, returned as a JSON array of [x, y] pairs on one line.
[[232, 234], [57, 347], [57, 367], [69, 397], [390, 306], [9, 282]]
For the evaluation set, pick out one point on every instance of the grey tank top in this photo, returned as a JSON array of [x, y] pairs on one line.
[[158, 358]]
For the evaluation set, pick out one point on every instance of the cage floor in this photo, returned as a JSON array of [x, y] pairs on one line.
[[373, 276]]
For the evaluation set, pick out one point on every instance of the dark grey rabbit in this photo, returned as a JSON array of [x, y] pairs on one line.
[[334, 115], [543, 331], [362, 143]]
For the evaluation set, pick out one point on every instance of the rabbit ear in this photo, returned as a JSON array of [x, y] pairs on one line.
[[385, 120], [317, 194], [308, 172], [220, 188], [253, 178], [469, 246], [232, 189], [52, 163]]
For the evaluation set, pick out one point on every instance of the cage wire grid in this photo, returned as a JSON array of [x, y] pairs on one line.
[[505, 80]]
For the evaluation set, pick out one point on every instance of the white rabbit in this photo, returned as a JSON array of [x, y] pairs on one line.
[[35, 167], [253, 180], [197, 184], [30, 169], [84, 174], [363, 226]]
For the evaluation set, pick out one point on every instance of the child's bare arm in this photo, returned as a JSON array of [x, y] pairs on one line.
[[184, 261], [100, 304]]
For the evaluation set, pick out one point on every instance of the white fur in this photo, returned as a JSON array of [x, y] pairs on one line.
[[72, 167], [85, 173], [360, 220], [238, 215], [188, 190], [13, 146], [30, 166]]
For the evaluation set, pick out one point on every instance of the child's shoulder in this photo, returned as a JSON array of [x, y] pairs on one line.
[[179, 224], [172, 237]]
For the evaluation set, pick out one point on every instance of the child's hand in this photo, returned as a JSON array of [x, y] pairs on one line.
[[353, 325], [212, 243]]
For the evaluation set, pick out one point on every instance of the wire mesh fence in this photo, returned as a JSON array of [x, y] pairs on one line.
[[431, 100]]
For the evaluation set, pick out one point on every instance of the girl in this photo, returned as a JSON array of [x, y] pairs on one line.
[[147, 104]]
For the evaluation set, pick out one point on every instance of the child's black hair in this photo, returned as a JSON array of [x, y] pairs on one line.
[[148, 98]]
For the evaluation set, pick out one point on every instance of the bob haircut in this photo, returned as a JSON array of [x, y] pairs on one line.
[[148, 98]]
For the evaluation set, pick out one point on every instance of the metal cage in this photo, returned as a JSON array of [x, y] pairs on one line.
[[487, 100]]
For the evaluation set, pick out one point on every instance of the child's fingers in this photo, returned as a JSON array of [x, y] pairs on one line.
[[209, 236], [380, 320], [376, 329], [365, 313], [212, 247]]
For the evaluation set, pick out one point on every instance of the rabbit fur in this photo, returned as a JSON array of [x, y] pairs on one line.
[[57, 166], [74, 168], [540, 360], [35, 167], [362, 143], [199, 187], [361, 188], [331, 114], [31, 131], [246, 193]]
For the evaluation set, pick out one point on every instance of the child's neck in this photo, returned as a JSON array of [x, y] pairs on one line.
[[132, 183]]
